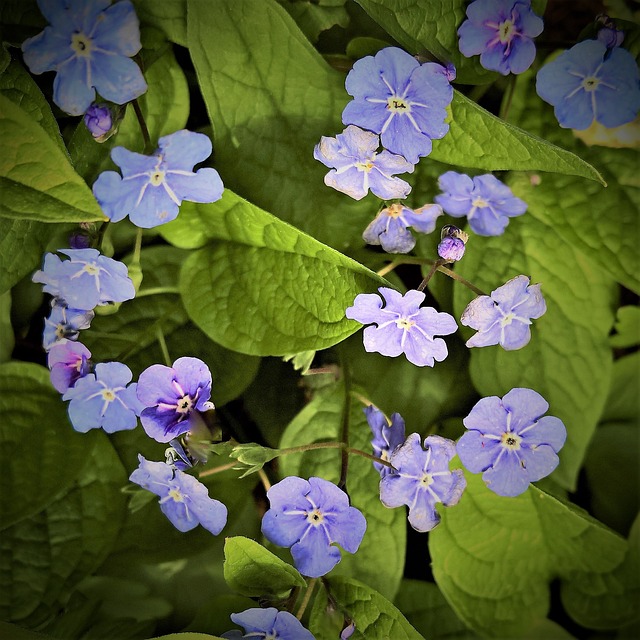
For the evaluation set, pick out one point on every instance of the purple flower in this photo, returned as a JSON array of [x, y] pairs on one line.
[[402, 326], [98, 120], [510, 442], [89, 45], [422, 480], [487, 202], [452, 246], [501, 31], [389, 227], [79, 240], [103, 400], [183, 499], [583, 84], [172, 396], [270, 624], [64, 323], [504, 317], [310, 516], [152, 188], [357, 166], [609, 35], [86, 280], [386, 437], [400, 99], [68, 362]]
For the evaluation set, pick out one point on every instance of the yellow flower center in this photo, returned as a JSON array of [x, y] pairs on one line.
[[315, 517], [398, 105], [184, 405], [108, 395], [404, 323], [81, 45], [364, 166], [394, 211], [157, 178], [480, 202], [506, 31], [590, 83], [175, 495], [511, 440], [91, 268]]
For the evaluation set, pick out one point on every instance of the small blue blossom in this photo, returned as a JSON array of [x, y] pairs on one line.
[[609, 35], [88, 44], [173, 396], [183, 499], [386, 437], [504, 317], [269, 624], [356, 166], [487, 202], [402, 326], [98, 121], [86, 280], [509, 442], [453, 243], [501, 32], [590, 82], [68, 362], [310, 516], [390, 227], [400, 99], [152, 188], [64, 323], [422, 480], [102, 400]]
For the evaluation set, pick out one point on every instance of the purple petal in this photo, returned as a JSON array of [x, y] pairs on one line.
[[539, 461], [508, 477], [367, 308], [369, 115], [47, 50], [385, 340], [476, 451], [352, 182], [525, 406], [548, 430], [488, 416], [424, 218], [347, 528]]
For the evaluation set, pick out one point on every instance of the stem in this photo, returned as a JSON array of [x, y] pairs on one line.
[[163, 346], [344, 435], [365, 401], [143, 126], [508, 97], [153, 291], [264, 479], [220, 469], [461, 280], [137, 247], [307, 597], [101, 234], [333, 445], [434, 267], [390, 267]]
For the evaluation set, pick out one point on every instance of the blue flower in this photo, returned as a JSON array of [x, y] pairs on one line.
[[487, 202], [389, 227], [64, 323], [102, 400], [501, 31], [608, 34], [86, 280], [453, 243], [89, 45], [310, 516], [183, 499], [583, 84], [400, 99], [504, 317], [422, 480], [152, 188], [510, 442], [270, 624], [357, 166], [386, 437], [98, 121], [68, 362], [402, 326], [173, 396]]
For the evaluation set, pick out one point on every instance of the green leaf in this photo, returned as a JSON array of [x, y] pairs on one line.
[[627, 328], [321, 420], [623, 402], [170, 16], [253, 455], [493, 557], [298, 287], [375, 617], [568, 360], [253, 571], [39, 450], [301, 361], [189, 635], [18, 633], [315, 16], [43, 556], [36, 177], [7, 339]]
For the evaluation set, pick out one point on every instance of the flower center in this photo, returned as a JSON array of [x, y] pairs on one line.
[[395, 210], [507, 320], [272, 635], [91, 268], [404, 323], [108, 395], [398, 105], [506, 31], [511, 440], [157, 178], [176, 495], [426, 480], [81, 45], [61, 331], [364, 166], [184, 405], [315, 517], [479, 202], [590, 83]]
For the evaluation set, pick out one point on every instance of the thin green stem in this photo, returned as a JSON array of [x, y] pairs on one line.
[[390, 267], [508, 98], [307, 597], [154, 291], [333, 445], [220, 469], [137, 248], [163, 346], [266, 483], [143, 126], [461, 280], [434, 267], [346, 410], [101, 233]]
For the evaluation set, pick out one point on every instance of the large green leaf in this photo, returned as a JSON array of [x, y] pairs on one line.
[[170, 16], [385, 537], [7, 339], [494, 557], [39, 451], [568, 360], [265, 288]]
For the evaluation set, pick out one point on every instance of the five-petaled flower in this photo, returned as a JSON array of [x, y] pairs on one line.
[[386, 436], [356, 165], [103, 399], [402, 326], [501, 31], [64, 323], [88, 44], [487, 202], [509, 441], [310, 516], [504, 317], [400, 99], [389, 227], [86, 280], [152, 188], [269, 624], [183, 499], [590, 82], [422, 479], [68, 362], [173, 396]]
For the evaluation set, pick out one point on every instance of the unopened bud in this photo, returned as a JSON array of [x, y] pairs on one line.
[[98, 121]]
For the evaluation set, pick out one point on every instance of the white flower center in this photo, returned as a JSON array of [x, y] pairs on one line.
[[404, 323], [157, 178], [315, 517], [507, 320], [511, 441], [184, 405], [506, 31], [91, 268], [398, 105], [108, 395], [81, 44], [590, 83], [479, 202], [176, 495], [426, 480], [364, 166]]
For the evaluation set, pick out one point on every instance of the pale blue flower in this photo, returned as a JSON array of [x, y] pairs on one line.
[[268, 624], [64, 323]]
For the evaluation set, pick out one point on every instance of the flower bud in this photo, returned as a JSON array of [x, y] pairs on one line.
[[98, 121], [452, 245]]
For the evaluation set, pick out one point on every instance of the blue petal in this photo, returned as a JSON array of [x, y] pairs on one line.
[[116, 78], [84, 14], [494, 58], [422, 513], [203, 186], [364, 80], [155, 385], [508, 477], [424, 218], [396, 490], [547, 430], [395, 66], [422, 351], [211, 513], [474, 39], [486, 221], [385, 340], [177, 513], [256, 619], [387, 188], [486, 337], [119, 418], [403, 138], [347, 528], [47, 50], [118, 31], [477, 452], [522, 55], [351, 182], [539, 461], [369, 115], [487, 416], [193, 374], [131, 163], [367, 308], [71, 90], [525, 407], [155, 208], [515, 335], [615, 107], [434, 323], [184, 149], [481, 314], [313, 556]]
